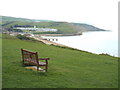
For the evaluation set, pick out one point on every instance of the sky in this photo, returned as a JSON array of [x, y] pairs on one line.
[[100, 13]]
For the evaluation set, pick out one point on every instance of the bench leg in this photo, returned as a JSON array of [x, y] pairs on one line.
[[46, 67], [23, 62], [37, 68]]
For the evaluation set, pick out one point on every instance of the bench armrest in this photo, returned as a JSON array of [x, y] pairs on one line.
[[44, 59]]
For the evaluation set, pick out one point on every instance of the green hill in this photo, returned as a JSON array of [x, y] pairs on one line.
[[10, 19], [67, 68], [63, 27]]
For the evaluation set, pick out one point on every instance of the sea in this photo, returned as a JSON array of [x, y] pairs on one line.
[[98, 42]]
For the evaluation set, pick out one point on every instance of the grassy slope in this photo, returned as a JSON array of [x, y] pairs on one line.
[[67, 68]]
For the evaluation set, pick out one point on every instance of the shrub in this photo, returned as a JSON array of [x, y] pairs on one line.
[[23, 37]]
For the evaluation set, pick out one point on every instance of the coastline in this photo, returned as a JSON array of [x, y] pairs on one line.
[[58, 34], [39, 38], [104, 45], [49, 42]]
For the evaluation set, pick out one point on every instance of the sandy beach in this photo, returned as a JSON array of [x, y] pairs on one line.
[[49, 42]]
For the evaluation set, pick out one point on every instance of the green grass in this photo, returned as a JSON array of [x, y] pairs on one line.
[[67, 68]]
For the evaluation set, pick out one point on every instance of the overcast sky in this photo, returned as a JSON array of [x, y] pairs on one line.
[[100, 13]]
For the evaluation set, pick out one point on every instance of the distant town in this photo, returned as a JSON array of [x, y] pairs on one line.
[[36, 29]]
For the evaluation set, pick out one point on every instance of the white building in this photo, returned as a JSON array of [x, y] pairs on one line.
[[37, 29]]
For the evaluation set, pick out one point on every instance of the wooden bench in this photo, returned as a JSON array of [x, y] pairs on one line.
[[32, 58]]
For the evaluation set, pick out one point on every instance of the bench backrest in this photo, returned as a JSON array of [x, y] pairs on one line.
[[29, 56]]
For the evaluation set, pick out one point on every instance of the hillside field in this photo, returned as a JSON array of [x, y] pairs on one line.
[[8, 23], [67, 68]]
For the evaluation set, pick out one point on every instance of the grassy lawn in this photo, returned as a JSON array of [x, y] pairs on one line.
[[67, 68]]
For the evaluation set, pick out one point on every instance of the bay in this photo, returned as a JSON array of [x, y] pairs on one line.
[[97, 42]]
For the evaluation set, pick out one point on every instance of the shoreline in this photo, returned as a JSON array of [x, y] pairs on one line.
[[49, 42], [58, 34], [45, 41], [39, 38]]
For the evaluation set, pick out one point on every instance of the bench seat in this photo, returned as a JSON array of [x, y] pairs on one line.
[[32, 58]]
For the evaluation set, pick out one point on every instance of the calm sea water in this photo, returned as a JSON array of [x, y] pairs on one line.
[[96, 42]]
